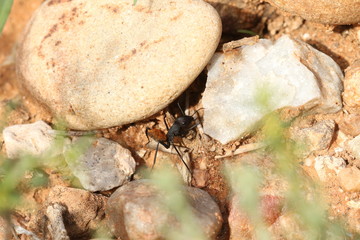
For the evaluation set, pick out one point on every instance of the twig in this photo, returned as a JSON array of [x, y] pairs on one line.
[[72, 133], [238, 43], [243, 149], [20, 230]]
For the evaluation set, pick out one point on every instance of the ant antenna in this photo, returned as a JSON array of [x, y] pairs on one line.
[[182, 112], [197, 111], [156, 151]]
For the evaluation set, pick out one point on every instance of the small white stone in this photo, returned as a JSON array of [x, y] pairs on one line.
[[105, 165], [353, 204], [338, 150], [324, 163], [353, 147], [308, 162], [291, 73], [35, 138]]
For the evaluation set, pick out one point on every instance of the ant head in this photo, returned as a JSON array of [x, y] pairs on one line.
[[185, 121]]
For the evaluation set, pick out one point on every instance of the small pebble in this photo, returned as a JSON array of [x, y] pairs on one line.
[[200, 178], [351, 94], [314, 138], [5, 229], [353, 219], [353, 147], [288, 225], [350, 124], [350, 179], [323, 164]]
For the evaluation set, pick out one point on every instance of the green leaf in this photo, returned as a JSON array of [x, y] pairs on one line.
[[251, 33], [5, 7]]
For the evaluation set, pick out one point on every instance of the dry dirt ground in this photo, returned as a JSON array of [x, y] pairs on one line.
[[342, 43]]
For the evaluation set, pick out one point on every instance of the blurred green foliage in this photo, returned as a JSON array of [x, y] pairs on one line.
[[28, 171], [248, 32], [172, 187], [5, 7], [303, 197]]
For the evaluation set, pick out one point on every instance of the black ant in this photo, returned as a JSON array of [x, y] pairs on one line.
[[180, 128]]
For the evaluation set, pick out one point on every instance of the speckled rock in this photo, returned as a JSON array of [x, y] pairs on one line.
[[351, 94], [314, 138], [324, 164], [323, 11], [98, 64], [103, 166], [135, 211]]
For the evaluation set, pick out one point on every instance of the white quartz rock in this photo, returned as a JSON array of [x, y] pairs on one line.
[[290, 72], [35, 138]]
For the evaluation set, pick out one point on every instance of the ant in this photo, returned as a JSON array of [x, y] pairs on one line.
[[180, 128]]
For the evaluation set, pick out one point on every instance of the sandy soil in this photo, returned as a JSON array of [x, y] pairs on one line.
[[340, 42]]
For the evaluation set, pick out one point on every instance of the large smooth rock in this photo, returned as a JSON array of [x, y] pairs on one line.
[[246, 83], [98, 64], [136, 211], [323, 11]]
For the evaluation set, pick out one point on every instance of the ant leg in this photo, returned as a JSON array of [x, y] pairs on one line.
[[165, 144], [178, 152], [147, 133], [167, 127], [193, 126], [156, 151]]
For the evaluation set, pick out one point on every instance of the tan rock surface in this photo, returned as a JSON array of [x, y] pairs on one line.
[[98, 64], [323, 11]]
